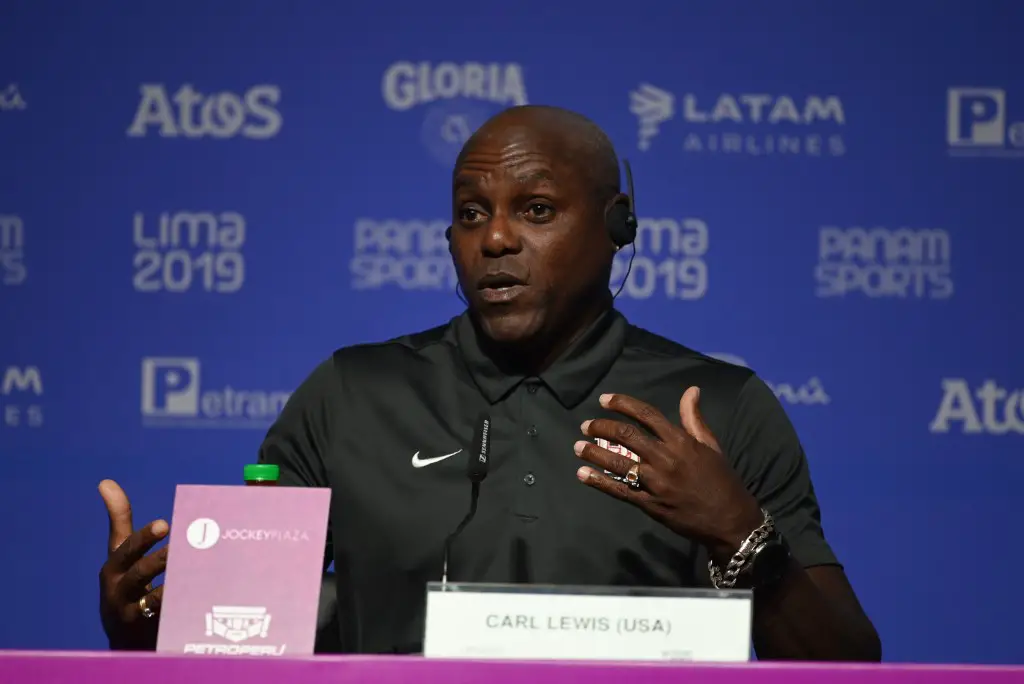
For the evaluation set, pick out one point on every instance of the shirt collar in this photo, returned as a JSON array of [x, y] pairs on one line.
[[571, 378]]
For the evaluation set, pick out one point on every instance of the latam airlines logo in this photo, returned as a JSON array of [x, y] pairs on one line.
[[189, 113], [458, 98], [752, 124], [977, 124]]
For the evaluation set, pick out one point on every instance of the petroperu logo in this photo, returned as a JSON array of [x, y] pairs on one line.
[[458, 98], [204, 533], [173, 396], [977, 124], [988, 410], [189, 113], [11, 99], [756, 124], [12, 250], [810, 393], [235, 625], [669, 260], [21, 389], [189, 250], [404, 254], [903, 263]]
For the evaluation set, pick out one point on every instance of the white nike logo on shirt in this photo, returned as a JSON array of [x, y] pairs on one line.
[[418, 462]]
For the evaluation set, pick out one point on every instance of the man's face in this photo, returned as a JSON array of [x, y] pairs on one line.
[[528, 242]]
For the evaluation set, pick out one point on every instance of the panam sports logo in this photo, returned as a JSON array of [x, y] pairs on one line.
[[457, 98], [173, 395], [753, 124], [876, 262], [409, 254], [977, 124]]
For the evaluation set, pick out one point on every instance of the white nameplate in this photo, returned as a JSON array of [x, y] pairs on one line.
[[513, 622]]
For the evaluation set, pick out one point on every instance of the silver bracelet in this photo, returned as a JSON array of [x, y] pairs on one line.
[[738, 562]]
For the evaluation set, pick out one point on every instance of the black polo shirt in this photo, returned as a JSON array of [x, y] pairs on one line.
[[372, 422]]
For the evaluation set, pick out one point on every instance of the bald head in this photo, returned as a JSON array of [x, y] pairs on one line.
[[573, 138]]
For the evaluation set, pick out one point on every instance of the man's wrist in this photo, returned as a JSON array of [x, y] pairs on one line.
[[760, 561], [748, 517]]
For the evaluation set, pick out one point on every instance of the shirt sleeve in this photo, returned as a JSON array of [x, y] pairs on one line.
[[767, 454], [299, 440]]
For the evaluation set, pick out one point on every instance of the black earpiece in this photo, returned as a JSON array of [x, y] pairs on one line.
[[621, 218], [448, 233]]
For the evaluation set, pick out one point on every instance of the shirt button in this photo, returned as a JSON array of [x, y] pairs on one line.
[[529, 479], [532, 431], [531, 388]]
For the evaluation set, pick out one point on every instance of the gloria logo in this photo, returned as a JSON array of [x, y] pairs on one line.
[[204, 533], [457, 98]]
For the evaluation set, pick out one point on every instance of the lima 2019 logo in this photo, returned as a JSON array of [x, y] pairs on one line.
[[459, 99]]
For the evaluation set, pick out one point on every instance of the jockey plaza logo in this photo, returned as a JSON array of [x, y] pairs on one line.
[[988, 410], [204, 533], [810, 393], [754, 124], [459, 97], [189, 113]]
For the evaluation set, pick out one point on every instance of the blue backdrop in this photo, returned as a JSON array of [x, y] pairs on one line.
[[199, 201]]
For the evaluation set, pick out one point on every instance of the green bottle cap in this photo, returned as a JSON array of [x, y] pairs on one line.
[[261, 472]]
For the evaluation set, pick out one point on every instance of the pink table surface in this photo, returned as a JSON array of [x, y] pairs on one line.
[[51, 667]]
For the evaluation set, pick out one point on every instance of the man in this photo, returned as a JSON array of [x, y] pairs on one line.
[[592, 481]]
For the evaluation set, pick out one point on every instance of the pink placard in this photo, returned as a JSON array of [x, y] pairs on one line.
[[243, 570]]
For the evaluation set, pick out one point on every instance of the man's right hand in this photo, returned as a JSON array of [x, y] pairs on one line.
[[128, 603]]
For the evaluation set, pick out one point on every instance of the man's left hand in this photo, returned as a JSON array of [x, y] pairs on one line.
[[684, 480]]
